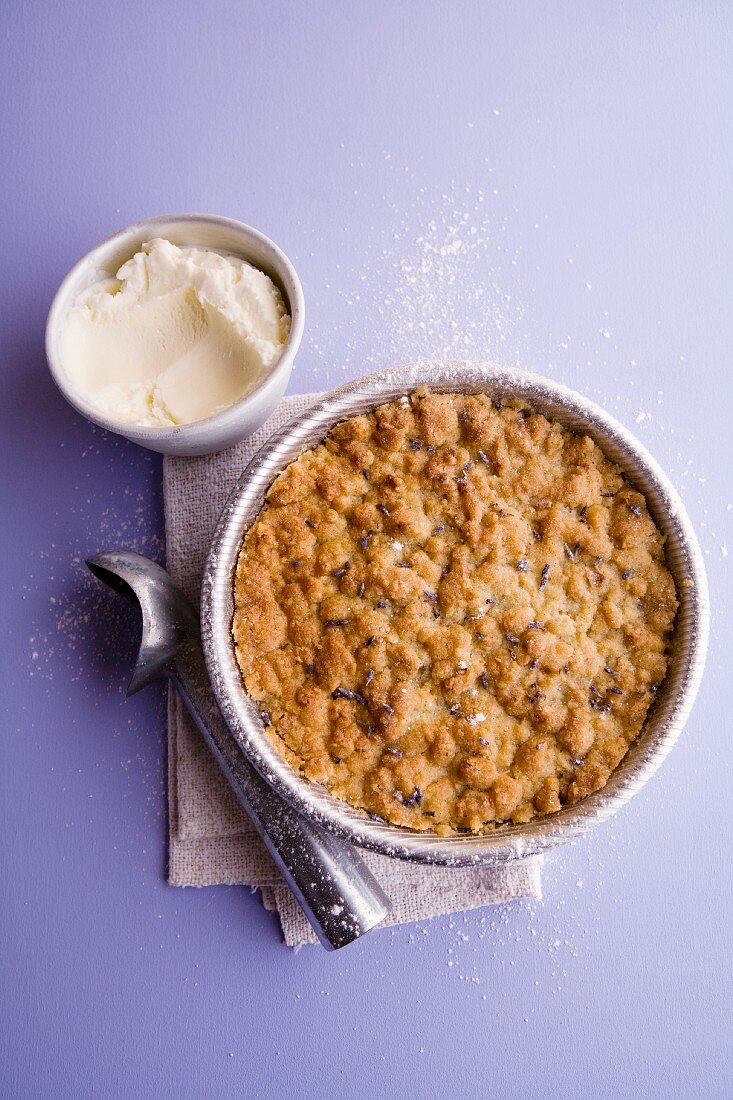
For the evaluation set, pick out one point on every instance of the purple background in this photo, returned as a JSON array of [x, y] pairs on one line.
[[589, 146]]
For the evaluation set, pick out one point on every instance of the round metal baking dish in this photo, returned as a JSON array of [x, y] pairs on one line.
[[674, 698]]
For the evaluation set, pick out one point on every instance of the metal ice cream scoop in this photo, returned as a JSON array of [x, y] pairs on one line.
[[335, 888]]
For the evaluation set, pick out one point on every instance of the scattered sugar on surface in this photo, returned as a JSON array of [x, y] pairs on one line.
[[423, 287], [77, 601], [82, 636], [496, 957], [440, 278]]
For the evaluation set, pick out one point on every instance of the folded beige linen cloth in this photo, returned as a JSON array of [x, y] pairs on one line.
[[211, 838]]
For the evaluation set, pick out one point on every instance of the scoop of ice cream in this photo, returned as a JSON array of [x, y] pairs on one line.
[[178, 335]]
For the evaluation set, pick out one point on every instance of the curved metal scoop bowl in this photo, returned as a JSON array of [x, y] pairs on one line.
[[336, 890]]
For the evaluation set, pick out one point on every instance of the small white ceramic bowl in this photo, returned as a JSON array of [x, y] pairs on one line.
[[204, 231]]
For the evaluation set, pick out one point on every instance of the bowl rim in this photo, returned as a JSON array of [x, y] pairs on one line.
[[665, 720], [222, 422]]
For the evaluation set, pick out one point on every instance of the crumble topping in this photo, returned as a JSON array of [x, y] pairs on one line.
[[453, 613]]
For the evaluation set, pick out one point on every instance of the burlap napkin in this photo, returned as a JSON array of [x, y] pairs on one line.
[[211, 839]]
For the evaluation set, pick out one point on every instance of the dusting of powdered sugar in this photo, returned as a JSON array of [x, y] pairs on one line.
[[80, 628], [83, 639], [423, 287]]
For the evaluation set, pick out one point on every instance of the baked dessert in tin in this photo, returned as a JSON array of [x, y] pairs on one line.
[[453, 613]]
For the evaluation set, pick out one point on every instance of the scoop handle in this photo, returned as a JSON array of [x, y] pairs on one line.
[[336, 890]]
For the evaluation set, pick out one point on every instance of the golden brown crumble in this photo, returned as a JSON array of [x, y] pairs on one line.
[[453, 613]]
